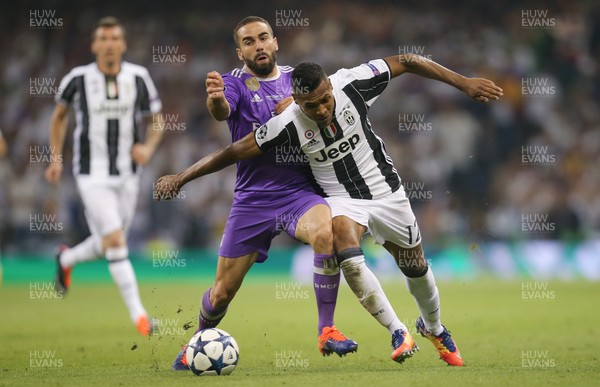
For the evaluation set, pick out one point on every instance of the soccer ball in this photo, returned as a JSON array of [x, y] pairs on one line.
[[212, 351]]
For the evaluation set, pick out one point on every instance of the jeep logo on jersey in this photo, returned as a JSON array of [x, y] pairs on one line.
[[111, 109], [349, 117], [334, 153]]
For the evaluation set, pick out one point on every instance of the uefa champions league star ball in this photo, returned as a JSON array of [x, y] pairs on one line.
[[212, 351]]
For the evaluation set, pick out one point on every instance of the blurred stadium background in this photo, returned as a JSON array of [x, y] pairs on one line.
[[506, 189]]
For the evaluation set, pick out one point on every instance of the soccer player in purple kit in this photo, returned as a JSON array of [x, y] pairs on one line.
[[268, 197]]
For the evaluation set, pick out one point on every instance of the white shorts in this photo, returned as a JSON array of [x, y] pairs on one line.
[[388, 219], [109, 202]]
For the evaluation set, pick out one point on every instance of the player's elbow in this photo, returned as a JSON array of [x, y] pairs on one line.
[[60, 113], [59, 119], [410, 60], [219, 113], [247, 152]]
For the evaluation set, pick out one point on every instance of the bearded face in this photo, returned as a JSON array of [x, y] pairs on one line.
[[257, 47], [262, 64]]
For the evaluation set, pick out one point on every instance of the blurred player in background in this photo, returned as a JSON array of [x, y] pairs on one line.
[[329, 123], [269, 198], [112, 99], [3, 147], [3, 151]]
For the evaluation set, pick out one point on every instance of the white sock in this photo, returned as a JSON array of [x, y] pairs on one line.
[[367, 288], [123, 275], [427, 297], [88, 250]]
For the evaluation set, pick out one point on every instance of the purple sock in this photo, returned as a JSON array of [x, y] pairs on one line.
[[209, 317], [326, 280]]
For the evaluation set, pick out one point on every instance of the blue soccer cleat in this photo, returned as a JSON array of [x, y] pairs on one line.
[[180, 363], [332, 340]]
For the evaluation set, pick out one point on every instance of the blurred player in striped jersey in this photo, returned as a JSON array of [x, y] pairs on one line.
[[112, 99], [353, 172], [270, 196]]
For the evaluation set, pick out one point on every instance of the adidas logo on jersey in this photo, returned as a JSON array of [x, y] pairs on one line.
[[312, 143], [256, 98]]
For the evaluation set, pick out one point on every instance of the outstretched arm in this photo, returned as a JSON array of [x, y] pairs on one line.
[[480, 89], [168, 186]]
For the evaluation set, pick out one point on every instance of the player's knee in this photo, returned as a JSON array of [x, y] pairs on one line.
[[322, 239], [413, 269], [221, 296], [344, 241], [114, 239], [412, 262], [415, 272]]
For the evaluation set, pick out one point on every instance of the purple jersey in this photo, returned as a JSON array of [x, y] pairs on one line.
[[252, 101]]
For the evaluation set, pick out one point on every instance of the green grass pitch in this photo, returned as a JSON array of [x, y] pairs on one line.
[[548, 336]]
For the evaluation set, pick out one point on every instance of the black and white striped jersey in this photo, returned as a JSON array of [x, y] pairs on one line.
[[347, 158], [108, 113]]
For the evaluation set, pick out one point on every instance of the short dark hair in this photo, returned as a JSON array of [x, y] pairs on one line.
[[248, 20], [306, 77], [107, 22]]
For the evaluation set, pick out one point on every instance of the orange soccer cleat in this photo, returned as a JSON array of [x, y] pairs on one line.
[[62, 281], [444, 344], [145, 326], [404, 345]]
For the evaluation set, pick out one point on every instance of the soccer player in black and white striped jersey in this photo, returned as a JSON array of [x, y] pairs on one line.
[[112, 99], [329, 123]]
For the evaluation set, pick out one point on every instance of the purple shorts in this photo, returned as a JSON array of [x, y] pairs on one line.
[[255, 219]]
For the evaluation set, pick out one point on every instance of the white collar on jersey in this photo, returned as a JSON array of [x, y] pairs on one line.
[[274, 77], [123, 63]]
